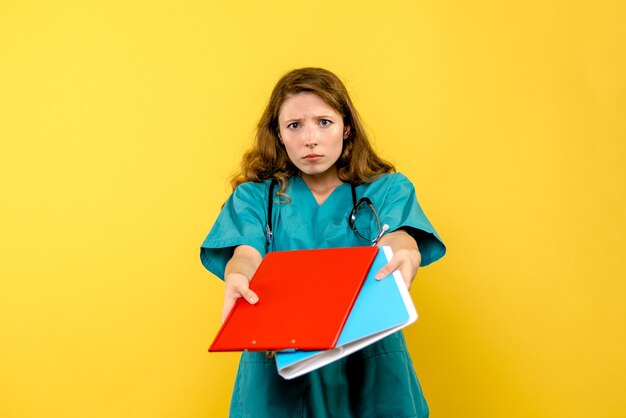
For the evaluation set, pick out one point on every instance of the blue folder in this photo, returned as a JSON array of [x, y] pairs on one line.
[[382, 307]]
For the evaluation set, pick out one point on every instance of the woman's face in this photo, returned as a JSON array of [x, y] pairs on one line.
[[313, 135]]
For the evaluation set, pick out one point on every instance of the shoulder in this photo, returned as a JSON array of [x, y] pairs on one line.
[[392, 178], [251, 190], [253, 186], [388, 182]]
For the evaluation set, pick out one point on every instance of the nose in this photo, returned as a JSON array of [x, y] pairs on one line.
[[310, 137]]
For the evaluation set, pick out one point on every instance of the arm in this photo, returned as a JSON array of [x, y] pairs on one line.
[[406, 256], [239, 270]]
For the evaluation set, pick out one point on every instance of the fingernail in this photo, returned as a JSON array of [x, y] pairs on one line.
[[379, 276]]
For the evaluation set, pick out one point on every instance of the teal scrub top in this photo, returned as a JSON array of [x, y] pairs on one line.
[[377, 381]]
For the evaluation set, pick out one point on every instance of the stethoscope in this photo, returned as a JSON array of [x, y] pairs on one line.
[[356, 207]]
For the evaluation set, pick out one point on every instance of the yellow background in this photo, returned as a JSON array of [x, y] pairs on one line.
[[121, 121]]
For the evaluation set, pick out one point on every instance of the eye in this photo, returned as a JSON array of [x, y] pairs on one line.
[[293, 125], [325, 122]]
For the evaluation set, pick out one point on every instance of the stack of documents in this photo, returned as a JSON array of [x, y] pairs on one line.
[[317, 306]]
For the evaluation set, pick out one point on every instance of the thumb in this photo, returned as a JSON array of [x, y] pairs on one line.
[[242, 289], [229, 303], [250, 296]]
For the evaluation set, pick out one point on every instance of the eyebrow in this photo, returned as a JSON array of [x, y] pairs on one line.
[[315, 117]]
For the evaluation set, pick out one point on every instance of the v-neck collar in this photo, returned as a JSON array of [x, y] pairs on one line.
[[301, 184]]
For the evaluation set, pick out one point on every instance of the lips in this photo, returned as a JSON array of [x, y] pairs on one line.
[[311, 157]]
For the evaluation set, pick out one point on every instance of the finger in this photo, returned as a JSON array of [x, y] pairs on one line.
[[406, 276], [228, 306], [242, 290], [229, 302], [250, 296], [388, 269]]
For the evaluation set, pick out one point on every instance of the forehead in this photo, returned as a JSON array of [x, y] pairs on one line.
[[303, 105]]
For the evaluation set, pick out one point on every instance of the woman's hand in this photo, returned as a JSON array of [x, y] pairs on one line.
[[406, 256], [239, 270], [237, 286]]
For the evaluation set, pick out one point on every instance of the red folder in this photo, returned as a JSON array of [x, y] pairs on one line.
[[305, 297]]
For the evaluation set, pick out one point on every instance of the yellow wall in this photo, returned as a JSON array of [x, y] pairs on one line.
[[120, 122]]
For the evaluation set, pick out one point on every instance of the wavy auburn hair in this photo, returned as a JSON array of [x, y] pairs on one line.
[[268, 159]]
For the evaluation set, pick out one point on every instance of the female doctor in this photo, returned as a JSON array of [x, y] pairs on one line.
[[312, 180]]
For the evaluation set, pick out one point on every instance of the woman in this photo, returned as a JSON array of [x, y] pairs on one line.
[[310, 162]]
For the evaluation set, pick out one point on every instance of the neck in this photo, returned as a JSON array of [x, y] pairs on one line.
[[325, 181], [322, 185]]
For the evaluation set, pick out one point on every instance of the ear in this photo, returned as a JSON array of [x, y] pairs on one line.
[[280, 138], [346, 132]]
